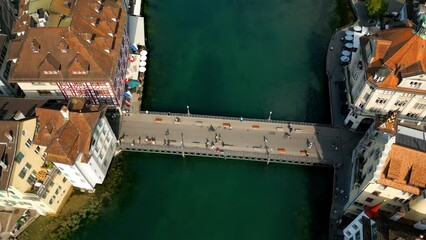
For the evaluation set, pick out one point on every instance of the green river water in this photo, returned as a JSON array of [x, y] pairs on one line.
[[233, 58]]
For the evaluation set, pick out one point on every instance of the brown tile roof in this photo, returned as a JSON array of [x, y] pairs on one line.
[[66, 138], [401, 51], [87, 45], [7, 153], [405, 170]]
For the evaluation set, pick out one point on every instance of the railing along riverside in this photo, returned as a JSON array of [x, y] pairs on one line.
[[233, 118], [231, 154]]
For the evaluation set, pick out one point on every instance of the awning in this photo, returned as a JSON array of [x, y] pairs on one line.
[[136, 30], [144, 57], [127, 94], [349, 33], [142, 69], [133, 83], [142, 64], [144, 52]]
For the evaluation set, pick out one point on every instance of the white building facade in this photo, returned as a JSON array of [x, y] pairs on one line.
[[86, 175], [387, 171], [355, 230], [387, 74]]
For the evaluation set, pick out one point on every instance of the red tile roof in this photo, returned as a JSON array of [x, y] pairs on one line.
[[405, 170], [401, 51], [91, 44], [67, 138]]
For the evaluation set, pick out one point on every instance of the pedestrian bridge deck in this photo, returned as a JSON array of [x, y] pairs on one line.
[[233, 138]]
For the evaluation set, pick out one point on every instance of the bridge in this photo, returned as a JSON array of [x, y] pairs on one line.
[[237, 138]]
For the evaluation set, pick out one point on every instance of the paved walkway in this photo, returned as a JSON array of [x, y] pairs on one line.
[[339, 110], [231, 135]]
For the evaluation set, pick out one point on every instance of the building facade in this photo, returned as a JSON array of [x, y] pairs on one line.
[[26, 179], [388, 73], [77, 49], [388, 168], [361, 227], [80, 143], [5, 88], [8, 14]]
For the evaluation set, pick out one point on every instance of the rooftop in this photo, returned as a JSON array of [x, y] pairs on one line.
[[67, 132], [397, 53], [404, 169], [81, 45]]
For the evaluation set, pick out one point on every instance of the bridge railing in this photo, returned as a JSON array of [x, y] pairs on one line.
[[234, 118], [224, 154]]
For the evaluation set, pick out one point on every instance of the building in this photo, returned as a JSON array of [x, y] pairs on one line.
[[388, 73], [27, 180], [388, 169], [78, 140], [70, 49], [8, 14], [5, 88], [361, 228]]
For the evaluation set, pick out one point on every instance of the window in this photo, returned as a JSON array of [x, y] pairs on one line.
[[44, 93], [415, 84], [64, 180], [38, 83], [28, 143], [23, 172], [355, 227], [108, 138], [97, 148], [31, 178], [19, 157], [28, 165], [420, 106], [58, 190], [382, 187], [37, 150], [51, 184], [399, 103], [376, 193], [101, 155], [24, 132], [381, 100], [412, 115], [369, 199]]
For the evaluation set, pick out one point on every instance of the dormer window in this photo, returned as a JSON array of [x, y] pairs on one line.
[[96, 22], [50, 72], [80, 72], [63, 46], [35, 45], [99, 8]]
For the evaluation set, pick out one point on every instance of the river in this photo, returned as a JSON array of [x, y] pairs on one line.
[[233, 58]]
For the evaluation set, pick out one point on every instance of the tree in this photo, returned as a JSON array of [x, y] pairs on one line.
[[376, 8]]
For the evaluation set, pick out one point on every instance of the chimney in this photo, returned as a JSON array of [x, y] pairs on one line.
[[65, 112]]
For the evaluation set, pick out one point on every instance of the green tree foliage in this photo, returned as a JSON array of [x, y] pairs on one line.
[[376, 8]]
